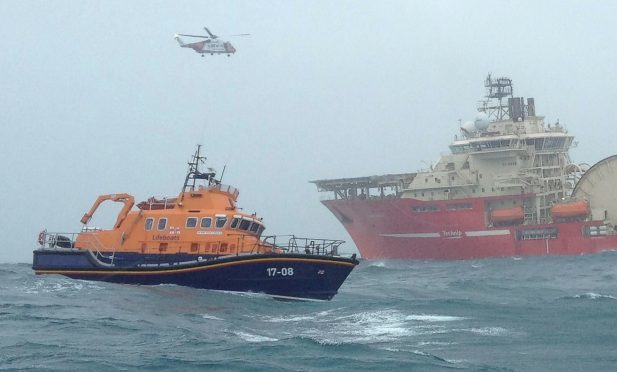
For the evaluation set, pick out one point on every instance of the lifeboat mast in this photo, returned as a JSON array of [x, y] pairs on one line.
[[193, 174]]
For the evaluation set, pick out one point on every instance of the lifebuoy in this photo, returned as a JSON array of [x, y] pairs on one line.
[[42, 237]]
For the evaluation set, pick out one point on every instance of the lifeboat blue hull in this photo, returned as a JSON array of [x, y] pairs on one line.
[[281, 275]]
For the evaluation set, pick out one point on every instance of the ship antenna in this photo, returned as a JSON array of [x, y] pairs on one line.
[[222, 173]]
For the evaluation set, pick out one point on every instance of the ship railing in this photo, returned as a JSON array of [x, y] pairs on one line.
[[299, 245], [224, 188], [65, 241]]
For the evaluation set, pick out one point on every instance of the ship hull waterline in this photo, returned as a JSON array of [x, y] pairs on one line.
[[294, 276], [388, 229]]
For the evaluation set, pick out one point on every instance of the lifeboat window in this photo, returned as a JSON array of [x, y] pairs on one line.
[[234, 223], [162, 224], [149, 223], [220, 222], [254, 227], [261, 230], [244, 224], [206, 222], [191, 222]]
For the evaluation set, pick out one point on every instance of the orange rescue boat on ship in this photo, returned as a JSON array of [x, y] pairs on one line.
[[199, 239]]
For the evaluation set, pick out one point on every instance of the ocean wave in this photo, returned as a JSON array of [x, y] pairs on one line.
[[210, 317], [487, 331], [249, 337], [320, 316], [592, 296], [64, 285], [433, 318]]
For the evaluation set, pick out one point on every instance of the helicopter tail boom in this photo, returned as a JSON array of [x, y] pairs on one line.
[[179, 40]]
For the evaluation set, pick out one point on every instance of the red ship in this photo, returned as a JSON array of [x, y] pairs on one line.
[[507, 188]]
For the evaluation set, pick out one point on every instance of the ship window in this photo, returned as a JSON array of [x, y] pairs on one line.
[[234, 223], [426, 208], [261, 230], [162, 224], [244, 224], [457, 206], [191, 222], [254, 227], [220, 222], [206, 222], [149, 223]]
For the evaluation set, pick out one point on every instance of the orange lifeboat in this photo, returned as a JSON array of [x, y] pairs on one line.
[[503, 215], [570, 210]]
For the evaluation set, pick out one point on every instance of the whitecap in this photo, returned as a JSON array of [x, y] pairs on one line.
[[248, 337], [488, 331], [433, 318], [595, 296], [210, 317], [377, 264]]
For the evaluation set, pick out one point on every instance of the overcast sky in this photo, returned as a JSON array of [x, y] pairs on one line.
[[96, 97]]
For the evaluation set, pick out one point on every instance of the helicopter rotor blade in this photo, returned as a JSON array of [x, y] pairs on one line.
[[207, 37], [237, 35]]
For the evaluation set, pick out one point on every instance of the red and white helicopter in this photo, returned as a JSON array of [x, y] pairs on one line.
[[212, 44]]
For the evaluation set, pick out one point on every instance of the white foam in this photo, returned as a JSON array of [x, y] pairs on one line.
[[254, 338], [488, 331], [364, 327], [595, 296], [211, 317], [433, 318]]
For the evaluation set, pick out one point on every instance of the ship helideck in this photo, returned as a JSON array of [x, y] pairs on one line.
[[507, 188]]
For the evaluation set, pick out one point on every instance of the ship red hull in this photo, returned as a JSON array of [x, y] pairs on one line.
[[392, 228]]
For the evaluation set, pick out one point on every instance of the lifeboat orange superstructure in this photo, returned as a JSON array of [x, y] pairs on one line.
[[200, 221]]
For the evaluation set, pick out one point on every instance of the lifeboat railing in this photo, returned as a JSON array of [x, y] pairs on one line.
[[64, 240], [224, 188]]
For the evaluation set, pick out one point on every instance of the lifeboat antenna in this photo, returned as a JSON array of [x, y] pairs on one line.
[[222, 173]]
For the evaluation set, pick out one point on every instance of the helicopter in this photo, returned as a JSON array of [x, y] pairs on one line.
[[212, 44]]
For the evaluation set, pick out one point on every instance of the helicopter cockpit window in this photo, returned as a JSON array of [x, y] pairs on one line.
[[244, 224], [206, 222], [191, 222], [220, 222]]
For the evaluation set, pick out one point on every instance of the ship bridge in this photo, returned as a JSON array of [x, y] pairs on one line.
[[370, 187]]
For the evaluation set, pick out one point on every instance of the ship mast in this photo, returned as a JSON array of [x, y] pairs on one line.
[[515, 109], [193, 174]]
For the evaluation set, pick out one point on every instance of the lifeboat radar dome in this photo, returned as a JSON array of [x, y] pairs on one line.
[[481, 121]]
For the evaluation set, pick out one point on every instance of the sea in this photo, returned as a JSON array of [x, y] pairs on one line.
[[509, 314]]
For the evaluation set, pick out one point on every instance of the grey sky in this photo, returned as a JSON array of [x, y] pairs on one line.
[[96, 97]]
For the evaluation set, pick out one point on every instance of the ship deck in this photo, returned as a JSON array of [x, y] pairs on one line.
[[388, 185]]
